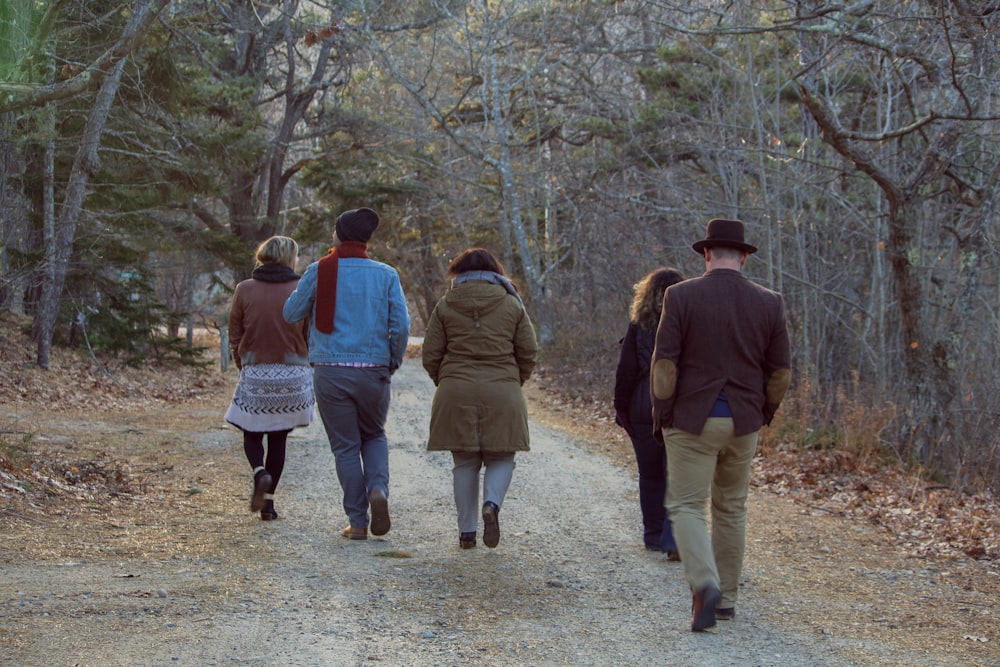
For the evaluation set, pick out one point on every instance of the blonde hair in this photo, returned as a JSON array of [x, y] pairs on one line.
[[647, 301], [277, 250]]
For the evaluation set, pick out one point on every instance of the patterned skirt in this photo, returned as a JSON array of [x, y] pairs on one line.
[[272, 397]]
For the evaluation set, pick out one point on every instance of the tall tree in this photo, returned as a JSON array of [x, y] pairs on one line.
[[267, 77], [16, 29], [59, 245], [905, 93], [489, 82], [922, 131]]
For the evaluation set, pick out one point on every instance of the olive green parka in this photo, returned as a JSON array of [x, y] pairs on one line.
[[479, 348]]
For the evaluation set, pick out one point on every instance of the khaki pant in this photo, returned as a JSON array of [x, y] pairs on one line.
[[719, 462]]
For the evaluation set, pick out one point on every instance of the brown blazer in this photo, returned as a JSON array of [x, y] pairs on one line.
[[719, 331]]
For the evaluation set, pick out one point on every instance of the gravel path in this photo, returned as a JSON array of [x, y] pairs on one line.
[[569, 584]]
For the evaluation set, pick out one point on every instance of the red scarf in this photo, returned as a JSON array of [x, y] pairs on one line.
[[326, 281]]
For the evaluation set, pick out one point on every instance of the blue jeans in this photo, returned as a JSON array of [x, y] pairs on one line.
[[651, 458], [353, 404]]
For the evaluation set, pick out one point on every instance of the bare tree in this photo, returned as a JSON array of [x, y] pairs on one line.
[[281, 62], [899, 245], [922, 132]]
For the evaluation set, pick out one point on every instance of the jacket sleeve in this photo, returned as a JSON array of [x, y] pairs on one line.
[[777, 365], [399, 324], [627, 372], [235, 326], [663, 366], [299, 304], [435, 346], [525, 346]]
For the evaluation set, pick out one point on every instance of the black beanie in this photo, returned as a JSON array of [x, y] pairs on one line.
[[356, 225]]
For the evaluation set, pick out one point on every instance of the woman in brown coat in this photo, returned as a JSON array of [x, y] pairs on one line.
[[274, 394], [479, 349]]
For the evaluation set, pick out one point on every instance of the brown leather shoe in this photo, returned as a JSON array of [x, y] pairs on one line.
[[353, 533], [725, 613], [703, 605], [379, 505]]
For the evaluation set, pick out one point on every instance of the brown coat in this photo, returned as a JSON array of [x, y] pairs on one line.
[[719, 331], [479, 348], [258, 334]]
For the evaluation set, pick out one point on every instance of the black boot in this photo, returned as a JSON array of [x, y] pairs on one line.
[[268, 513], [491, 524], [261, 486]]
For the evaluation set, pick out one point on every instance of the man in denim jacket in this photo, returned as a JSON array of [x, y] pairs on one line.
[[357, 337]]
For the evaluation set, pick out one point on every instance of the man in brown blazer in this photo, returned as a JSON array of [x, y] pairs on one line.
[[719, 370]]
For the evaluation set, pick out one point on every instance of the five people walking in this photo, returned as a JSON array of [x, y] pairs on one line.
[[704, 364]]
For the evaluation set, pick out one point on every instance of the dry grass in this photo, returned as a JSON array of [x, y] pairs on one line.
[[808, 465]]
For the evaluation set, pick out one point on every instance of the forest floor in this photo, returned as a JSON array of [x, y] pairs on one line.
[[127, 541]]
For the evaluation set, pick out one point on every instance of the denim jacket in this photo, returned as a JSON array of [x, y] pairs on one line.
[[371, 323]]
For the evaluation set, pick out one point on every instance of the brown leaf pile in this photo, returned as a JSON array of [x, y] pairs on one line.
[[926, 519], [76, 381], [77, 384]]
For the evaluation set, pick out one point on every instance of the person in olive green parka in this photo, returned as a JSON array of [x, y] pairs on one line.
[[479, 349]]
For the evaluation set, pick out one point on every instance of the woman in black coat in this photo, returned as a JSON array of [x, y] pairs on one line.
[[633, 408]]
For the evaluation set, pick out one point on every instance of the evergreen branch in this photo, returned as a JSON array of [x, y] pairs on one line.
[[16, 97]]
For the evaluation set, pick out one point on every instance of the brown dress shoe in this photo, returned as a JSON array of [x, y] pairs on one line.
[[703, 605], [353, 533], [725, 613], [379, 505]]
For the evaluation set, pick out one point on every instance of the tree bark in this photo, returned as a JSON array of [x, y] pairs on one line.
[[85, 164]]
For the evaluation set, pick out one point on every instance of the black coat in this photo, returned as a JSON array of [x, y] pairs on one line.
[[632, 376]]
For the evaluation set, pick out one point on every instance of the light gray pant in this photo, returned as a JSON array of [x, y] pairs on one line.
[[496, 480]]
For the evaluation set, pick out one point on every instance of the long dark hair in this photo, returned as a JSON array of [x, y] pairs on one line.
[[648, 298]]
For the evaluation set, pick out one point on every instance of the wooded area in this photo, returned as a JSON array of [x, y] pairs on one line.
[[146, 147]]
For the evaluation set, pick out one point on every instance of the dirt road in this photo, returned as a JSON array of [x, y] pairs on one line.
[[569, 584]]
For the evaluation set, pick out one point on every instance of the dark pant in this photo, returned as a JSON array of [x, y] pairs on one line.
[[651, 458], [354, 404], [253, 447]]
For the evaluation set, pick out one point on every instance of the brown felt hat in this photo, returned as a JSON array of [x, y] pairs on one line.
[[726, 233], [356, 225]]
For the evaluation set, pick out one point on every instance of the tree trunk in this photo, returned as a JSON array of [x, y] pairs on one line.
[[13, 215], [86, 163]]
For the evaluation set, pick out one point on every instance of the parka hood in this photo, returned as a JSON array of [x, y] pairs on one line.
[[475, 298]]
